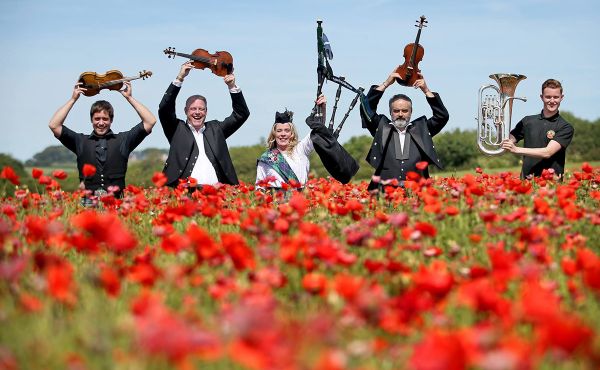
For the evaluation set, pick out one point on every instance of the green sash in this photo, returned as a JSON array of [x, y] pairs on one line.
[[275, 159]]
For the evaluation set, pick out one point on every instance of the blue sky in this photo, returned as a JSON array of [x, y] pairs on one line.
[[46, 45]]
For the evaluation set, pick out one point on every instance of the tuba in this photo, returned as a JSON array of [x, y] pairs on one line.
[[495, 110]]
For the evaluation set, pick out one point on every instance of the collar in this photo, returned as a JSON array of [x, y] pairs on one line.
[[551, 118], [194, 130], [108, 134]]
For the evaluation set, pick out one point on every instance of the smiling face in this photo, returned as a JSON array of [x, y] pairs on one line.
[[284, 135], [101, 122], [196, 113], [551, 97]]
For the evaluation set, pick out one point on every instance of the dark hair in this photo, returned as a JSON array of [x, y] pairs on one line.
[[101, 105], [553, 84], [399, 97], [192, 99]]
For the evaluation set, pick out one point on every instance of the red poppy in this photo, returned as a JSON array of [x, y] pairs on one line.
[[436, 279], [426, 229], [451, 211], [159, 179], [241, 255], [109, 278], [10, 174], [586, 167], [30, 303], [348, 286], [44, 180], [145, 273], [314, 282], [203, 244], [59, 174], [174, 243], [412, 176], [59, 277], [36, 173], [421, 165], [439, 350], [88, 170], [281, 225]]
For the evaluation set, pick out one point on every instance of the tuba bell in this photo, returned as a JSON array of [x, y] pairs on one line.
[[495, 110]]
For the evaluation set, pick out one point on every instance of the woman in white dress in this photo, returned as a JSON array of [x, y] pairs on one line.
[[286, 160]]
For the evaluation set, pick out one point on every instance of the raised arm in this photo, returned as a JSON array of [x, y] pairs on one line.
[[240, 112], [440, 117], [148, 119], [58, 119], [166, 108]]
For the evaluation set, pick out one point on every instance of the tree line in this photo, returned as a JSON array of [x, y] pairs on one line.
[[457, 148]]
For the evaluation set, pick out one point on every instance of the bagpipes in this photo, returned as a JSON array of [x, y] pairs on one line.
[[337, 161]]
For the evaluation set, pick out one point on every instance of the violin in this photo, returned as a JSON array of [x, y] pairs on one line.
[[220, 63], [113, 80], [413, 54]]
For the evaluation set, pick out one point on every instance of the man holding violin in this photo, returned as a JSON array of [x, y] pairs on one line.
[[198, 148], [399, 144], [106, 151]]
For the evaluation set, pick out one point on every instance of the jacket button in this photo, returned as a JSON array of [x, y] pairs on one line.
[[433, 146], [374, 158], [186, 158], [375, 144], [402, 162], [180, 171]]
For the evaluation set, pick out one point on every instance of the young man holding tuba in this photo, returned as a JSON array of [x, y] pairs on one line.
[[546, 135]]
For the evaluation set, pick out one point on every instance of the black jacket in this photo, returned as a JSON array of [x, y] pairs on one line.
[[421, 130], [183, 151]]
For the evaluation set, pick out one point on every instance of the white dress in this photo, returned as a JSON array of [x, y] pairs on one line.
[[298, 161]]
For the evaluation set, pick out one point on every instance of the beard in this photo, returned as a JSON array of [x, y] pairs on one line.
[[400, 124]]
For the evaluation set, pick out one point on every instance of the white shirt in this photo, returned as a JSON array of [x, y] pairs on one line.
[[298, 161], [203, 170], [402, 135]]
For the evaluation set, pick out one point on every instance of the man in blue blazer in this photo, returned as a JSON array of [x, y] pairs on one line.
[[399, 143], [198, 148]]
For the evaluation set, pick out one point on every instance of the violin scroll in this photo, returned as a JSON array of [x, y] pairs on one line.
[[170, 52], [145, 74]]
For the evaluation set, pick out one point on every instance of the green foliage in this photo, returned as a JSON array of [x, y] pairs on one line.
[[244, 160], [457, 149], [454, 149], [584, 146], [53, 156], [140, 172]]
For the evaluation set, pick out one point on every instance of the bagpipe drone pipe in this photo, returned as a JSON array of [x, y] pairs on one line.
[[336, 160]]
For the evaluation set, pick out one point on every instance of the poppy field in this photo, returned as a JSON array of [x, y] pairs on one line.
[[484, 271]]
